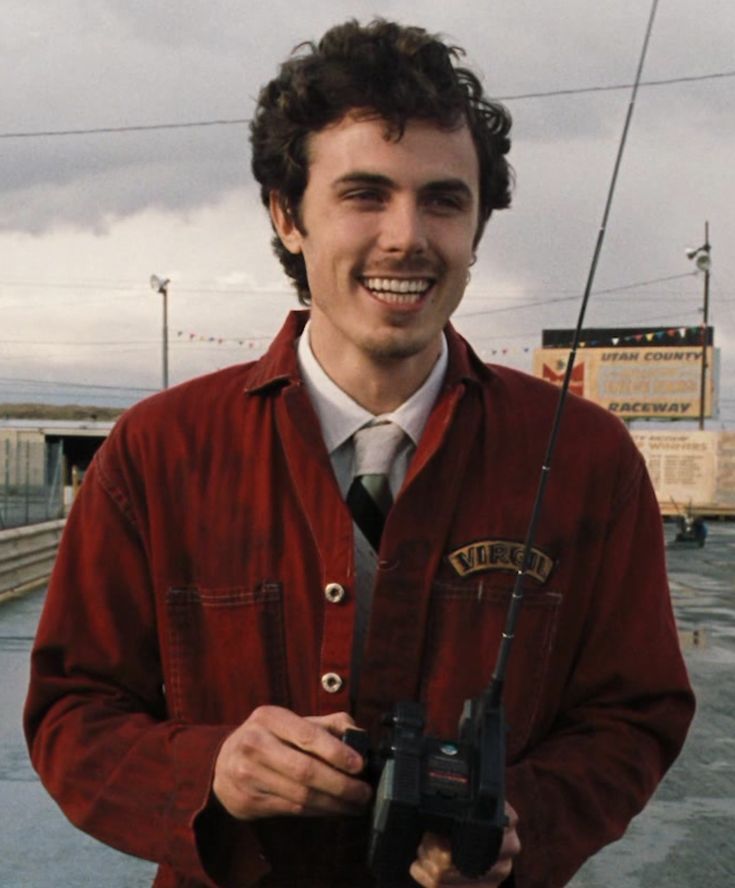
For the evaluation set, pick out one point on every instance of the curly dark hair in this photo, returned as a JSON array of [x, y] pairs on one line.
[[398, 73]]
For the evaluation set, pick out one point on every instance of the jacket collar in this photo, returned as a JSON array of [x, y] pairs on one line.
[[279, 365]]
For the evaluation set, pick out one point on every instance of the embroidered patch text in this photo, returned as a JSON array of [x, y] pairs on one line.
[[485, 555]]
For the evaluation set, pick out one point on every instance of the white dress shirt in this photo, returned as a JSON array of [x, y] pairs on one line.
[[340, 416]]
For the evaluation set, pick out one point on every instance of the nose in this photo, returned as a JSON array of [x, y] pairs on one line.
[[403, 228]]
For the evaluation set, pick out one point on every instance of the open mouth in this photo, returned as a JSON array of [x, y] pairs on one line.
[[397, 291]]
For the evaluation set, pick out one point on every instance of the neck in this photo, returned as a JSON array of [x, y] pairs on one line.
[[379, 384]]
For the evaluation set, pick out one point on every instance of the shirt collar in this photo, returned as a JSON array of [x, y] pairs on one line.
[[340, 416], [278, 368]]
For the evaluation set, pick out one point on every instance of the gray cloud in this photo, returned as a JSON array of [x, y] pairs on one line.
[[89, 63], [83, 181]]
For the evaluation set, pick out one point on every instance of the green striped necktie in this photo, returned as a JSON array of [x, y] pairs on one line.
[[369, 498]]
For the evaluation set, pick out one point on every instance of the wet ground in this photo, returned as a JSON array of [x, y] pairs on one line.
[[38, 847], [684, 839]]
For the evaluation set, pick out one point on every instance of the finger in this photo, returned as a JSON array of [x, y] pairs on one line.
[[511, 845], [512, 815], [433, 866], [259, 775], [268, 793], [433, 860], [452, 877], [435, 848], [307, 771], [278, 765], [419, 874], [429, 877], [498, 874], [336, 722], [310, 736]]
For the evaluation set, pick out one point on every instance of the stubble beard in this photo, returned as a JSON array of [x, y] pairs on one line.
[[391, 349]]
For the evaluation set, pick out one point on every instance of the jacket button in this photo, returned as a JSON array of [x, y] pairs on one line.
[[331, 682], [334, 593]]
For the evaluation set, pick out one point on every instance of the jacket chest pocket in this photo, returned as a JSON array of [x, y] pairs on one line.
[[466, 622], [225, 652]]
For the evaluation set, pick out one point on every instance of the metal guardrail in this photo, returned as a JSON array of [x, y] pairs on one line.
[[31, 481], [27, 556]]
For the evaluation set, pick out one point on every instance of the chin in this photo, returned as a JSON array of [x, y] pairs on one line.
[[395, 348]]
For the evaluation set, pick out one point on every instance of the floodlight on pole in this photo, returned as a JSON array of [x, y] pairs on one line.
[[160, 285], [703, 260]]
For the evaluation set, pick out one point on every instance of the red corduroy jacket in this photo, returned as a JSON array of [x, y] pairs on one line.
[[190, 588]]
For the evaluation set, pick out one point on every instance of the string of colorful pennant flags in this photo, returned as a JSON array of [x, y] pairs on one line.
[[243, 341], [657, 337]]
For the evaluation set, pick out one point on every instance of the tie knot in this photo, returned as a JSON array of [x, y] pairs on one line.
[[375, 448]]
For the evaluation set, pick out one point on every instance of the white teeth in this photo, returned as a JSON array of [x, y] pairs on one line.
[[389, 287], [399, 298]]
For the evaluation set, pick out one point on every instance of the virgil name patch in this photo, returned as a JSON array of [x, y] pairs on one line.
[[487, 555]]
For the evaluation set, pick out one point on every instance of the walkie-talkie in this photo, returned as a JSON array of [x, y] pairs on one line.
[[451, 787]]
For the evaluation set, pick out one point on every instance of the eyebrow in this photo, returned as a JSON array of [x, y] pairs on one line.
[[359, 177], [458, 186]]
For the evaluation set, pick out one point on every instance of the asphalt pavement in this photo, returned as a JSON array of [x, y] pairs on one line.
[[684, 838]]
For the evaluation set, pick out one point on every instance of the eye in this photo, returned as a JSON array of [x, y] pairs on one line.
[[364, 195], [445, 202]]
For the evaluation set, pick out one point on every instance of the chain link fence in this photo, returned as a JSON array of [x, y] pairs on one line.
[[31, 481]]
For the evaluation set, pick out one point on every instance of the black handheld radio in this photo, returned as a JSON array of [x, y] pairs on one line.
[[455, 788]]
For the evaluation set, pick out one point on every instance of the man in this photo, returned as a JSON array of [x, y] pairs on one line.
[[217, 617]]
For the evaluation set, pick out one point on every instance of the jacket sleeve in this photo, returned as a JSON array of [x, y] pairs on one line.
[[625, 711], [95, 716]]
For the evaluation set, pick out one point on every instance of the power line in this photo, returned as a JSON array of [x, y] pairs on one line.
[[106, 130], [78, 342], [671, 277], [80, 385], [242, 121], [521, 305], [225, 289], [588, 89], [112, 285]]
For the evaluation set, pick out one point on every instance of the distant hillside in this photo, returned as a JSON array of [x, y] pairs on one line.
[[55, 411]]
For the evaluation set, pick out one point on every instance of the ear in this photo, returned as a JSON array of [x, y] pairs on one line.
[[284, 223]]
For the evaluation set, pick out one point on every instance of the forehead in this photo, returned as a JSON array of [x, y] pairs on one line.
[[424, 153]]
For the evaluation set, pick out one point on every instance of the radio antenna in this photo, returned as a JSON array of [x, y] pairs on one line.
[[495, 691]]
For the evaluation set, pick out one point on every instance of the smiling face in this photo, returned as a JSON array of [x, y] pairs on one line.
[[386, 228]]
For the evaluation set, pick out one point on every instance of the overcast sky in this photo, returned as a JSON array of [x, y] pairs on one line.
[[85, 219]]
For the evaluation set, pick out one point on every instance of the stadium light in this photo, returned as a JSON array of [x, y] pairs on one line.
[[160, 285]]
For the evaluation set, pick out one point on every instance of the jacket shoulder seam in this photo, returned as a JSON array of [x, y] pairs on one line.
[[114, 492]]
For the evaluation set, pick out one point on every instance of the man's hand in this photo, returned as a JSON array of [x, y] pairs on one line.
[[433, 866], [277, 762]]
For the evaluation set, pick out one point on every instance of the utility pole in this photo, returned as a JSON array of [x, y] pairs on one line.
[[703, 261]]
